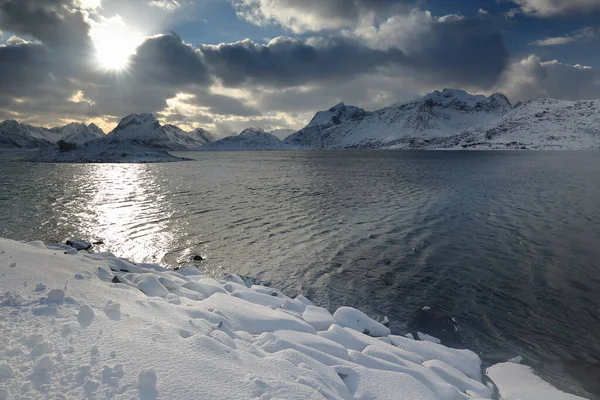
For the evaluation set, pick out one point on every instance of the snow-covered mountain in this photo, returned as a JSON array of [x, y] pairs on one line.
[[248, 139], [137, 138], [145, 130], [182, 140], [139, 129], [438, 114], [202, 135], [14, 135], [78, 133], [537, 124], [327, 128]]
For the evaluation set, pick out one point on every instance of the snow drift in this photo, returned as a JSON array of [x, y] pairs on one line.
[[80, 325]]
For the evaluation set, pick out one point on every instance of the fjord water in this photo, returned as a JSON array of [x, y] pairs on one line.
[[509, 242]]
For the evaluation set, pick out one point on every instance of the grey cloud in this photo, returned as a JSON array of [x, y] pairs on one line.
[[551, 8], [314, 15], [225, 105], [56, 23], [468, 52], [463, 52], [532, 78], [166, 58], [290, 62]]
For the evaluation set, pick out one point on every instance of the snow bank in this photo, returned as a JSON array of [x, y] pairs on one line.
[[79, 325], [516, 382]]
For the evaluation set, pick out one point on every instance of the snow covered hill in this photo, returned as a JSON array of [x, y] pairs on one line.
[[81, 325], [139, 129], [182, 140], [202, 135], [100, 152], [14, 135], [438, 114], [137, 138], [248, 139], [78, 133], [145, 130], [537, 124], [327, 127]]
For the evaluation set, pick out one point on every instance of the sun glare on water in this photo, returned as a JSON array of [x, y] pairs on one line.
[[115, 43]]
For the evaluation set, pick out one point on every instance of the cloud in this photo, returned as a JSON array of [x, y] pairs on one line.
[[166, 5], [551, 8], [466, 51], [533, 78], [15, 41], [314, 15], [286, 61], [56, 23], [582, 34]]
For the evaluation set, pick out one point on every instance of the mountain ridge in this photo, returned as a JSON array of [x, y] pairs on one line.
[[447, 119]]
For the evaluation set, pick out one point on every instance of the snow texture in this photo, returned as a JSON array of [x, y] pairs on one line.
[[516, 382], [137, 138], [439, 114], [91, 325], [454, 119]]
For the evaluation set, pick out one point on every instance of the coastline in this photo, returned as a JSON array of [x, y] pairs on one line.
[[80, 324]]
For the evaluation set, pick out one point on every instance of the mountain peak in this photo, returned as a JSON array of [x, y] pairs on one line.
[[252, 131], [95, 128], [448, 96], [339, 106], [138, 119]]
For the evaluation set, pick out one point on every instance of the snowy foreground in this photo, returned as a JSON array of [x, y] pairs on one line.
[[76, 325]]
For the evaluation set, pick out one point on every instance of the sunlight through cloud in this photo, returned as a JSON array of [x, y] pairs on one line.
[[115, 42]]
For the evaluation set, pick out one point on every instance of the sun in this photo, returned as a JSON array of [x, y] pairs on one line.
[[115, 43]]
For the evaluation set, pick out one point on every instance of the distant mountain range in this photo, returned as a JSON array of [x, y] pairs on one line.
[[454, 119], [248, 139], [450, 119]]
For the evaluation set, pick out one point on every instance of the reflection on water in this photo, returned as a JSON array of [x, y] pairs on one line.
[[130, 211], [507, 241], [124, 205]]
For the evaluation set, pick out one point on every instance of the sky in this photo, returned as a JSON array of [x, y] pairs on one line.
[[225, 65]]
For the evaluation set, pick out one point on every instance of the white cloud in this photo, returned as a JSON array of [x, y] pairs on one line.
[[481, 11], [582, 34], [79, 97], [16, 40], [404, 31], [167, 5], [532, 78], [550, 8], [301, 16], [451, 17], [90, 4]]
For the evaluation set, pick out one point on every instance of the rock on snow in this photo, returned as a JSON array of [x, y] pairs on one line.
[[68, 330]]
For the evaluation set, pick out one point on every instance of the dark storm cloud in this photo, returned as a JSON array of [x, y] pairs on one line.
[[470, 52], [56, 23], [290, 62], [167, 59]]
